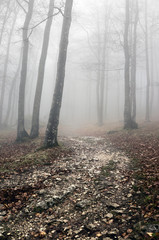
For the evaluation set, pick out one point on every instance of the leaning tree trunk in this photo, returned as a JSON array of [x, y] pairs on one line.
[[53, 122], [37, 100], [147, 116], [21, 132], [127, 105]]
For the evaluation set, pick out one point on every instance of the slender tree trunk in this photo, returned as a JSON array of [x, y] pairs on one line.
[[11, 91], [127, 106], [133, 67], [14, 108], [37, 100], [98, 77], [21, 132], [152, 75], [102, 83], [118, 98], [6, 69], [128, 122], [89, 98], [97, 93], [106, 84], [53, 122], [147, 116]]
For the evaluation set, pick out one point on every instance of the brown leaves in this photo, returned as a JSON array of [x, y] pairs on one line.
[[142, 146], [15, 199]]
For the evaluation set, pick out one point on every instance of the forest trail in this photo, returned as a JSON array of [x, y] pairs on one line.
[[86, 193]]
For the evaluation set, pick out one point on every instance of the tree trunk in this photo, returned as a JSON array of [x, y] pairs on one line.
[[11, 91], [21, 132], [37, 100], [127, 106], [128, 122], [133, 66], [6, 69], [102, 83], [147, 116], [53, 122], [152, 74], [98, 77]]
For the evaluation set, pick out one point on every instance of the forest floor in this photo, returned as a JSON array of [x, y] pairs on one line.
[[97, 185]]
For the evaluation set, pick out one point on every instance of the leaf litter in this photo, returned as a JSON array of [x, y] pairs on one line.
[[84, 189]]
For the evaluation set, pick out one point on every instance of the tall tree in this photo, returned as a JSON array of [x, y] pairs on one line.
[[98, 76], [53, 122], [102, 80], [12, 89], [133, 61], [37, 100], [147, 116], [127, 106], [102, 55], [21, 132], [3, 88], [128, 122]]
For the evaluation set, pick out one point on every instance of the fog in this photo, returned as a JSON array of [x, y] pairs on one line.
[[93, 22]]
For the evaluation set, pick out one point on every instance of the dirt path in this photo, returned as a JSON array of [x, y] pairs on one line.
[[84, 195]]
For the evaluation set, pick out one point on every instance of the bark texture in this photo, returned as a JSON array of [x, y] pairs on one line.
[[128, 122], [37, 100], [21, 132], [53, 122]]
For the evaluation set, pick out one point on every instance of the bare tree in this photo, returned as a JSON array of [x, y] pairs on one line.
[[147, 116], [53, 122], [128, 122], [133, 61], [21, 132], [127, 106], [3, 88], [103, 76], [37, 100], [98, 75], [12, 89]]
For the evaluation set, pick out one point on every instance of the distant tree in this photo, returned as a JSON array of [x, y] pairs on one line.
[[11, 91], [3, 87], [102, 60], [53, 122], [128, 121], [37, 100], [133, 60], [147, 116], [98, 89], [21, 132]]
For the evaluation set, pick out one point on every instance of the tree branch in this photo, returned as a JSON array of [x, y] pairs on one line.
[[59, 9], [43, 20], [21, 6]]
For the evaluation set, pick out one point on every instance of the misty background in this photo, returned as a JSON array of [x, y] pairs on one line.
[[93, 22]]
